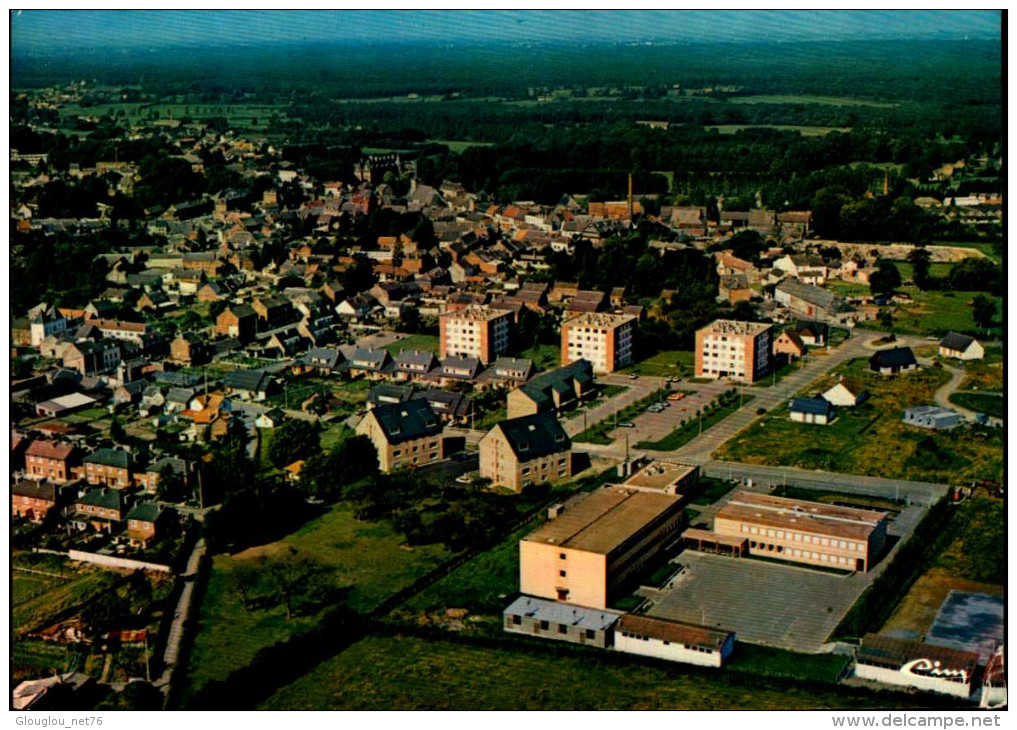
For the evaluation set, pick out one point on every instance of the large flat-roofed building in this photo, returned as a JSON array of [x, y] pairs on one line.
[[916, 664], [735, 350], [603, 339], [804, 532], [673, 640], [563, 622], [595, 544], [475, 331]]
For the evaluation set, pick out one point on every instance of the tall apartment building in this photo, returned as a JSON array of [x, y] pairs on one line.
[[475, 331], [603, 339], [735, 350]]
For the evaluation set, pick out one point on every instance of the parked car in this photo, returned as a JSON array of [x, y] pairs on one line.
[[633, 376], [760, 411], [627, 424]]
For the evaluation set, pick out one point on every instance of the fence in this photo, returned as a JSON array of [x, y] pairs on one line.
[[108, 561]]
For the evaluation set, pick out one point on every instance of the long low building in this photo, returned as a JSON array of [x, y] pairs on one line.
[[804, 532], [595, 544], [673, 640], [563, 622], [916, 664]]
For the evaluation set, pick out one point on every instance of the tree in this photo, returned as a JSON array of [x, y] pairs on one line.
[[885, 279], [244, 579], [328, 476], [117, 432], [105, 613], [984, 311], [170, 487], [294, 440], [920, 259]]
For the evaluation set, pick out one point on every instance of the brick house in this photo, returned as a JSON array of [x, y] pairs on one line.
[[111, 467], [50, 460], [100, 509], [404, 434], [240, 321], [32, 499], [143, 523], [189, 348], [523, 451]]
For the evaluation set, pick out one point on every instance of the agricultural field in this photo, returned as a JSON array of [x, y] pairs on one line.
[[368, 558], [795, 99], [248, 117], [456, 146], [805, 131], [37, 598], [991, 404], [872, 439], [973, 561], [409, 673]]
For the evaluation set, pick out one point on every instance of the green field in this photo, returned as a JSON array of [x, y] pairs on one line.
[[663, 364], [987, 403], [456, 146], [693, 427], [711, 490], [408, 673], [984, 374], [871, 438], [986, 248], [936, 270], [544, 357], [38, 598], [368, 558], [932, 313], [424, 343], [805, 131]]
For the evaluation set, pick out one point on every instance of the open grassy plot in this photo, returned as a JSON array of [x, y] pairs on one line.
[[871, 438], [33, 658], [333, 436], [795, 99], [368, 558], [933, 313], [38, 597], [490, 419], [848, 288], [692, 428], [665, 364], [771, 662], [991, 404], [986, 248], [406, 673], [424, 343], [984, 374], [456, 146], [974, 560], [937, 270], [711, 490], [545, 357]]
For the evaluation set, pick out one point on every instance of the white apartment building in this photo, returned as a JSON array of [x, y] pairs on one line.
[[735, 350], [604, 339], [475, 331]]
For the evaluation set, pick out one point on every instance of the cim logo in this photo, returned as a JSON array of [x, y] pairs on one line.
[[929, 668]]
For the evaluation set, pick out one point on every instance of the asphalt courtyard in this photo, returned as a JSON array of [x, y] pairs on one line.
[[766, 603]]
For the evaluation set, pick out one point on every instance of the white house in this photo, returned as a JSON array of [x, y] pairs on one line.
[[671, 640], [811, 410], [846, 393], [961, 347]]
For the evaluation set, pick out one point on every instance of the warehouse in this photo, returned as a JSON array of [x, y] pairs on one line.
[[595, 544], [916, 664], [804, 532]]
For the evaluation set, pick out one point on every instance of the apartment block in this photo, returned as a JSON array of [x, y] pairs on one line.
[[735, 350], [603, 339], [475, 331]]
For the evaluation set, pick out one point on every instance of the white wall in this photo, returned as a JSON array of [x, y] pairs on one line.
[[904, 679], [673, 652]]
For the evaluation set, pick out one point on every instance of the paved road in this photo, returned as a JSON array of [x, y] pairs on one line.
[[176, 632]]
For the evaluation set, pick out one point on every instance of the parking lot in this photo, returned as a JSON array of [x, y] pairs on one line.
[[652, 426], [767, 603]]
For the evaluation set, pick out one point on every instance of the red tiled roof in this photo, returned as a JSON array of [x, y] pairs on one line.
[[50, 450]]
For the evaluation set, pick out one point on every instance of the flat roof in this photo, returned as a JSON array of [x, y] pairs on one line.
[[796, 514], [599, 319], [731, 327], [658, 475], [477, 313], [603, 520], [553, 612]]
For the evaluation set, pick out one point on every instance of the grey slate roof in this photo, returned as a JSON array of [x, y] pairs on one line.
[[145, 512], [534, 436], [898, 357], [103, 497], [388, 393], [815, 406], [110, 457], [406, 421], [256, 381], [562, 379], [956, 341], [806, 292]]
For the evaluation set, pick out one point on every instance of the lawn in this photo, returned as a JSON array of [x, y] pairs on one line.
[[333, 436], [984, 374], [933, 313], [491, 418], [424, 343], [662, 365], [544, 357], [693, 427], [992, 404], [409, 673], [368, 557], [710, 490], [872, 439]]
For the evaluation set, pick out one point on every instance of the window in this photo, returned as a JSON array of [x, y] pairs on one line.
[[591, 634], [563, 556], [561, 573], [544, 625], [517, 620]]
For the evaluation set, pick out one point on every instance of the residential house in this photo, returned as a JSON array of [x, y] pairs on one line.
[[92, 358], [144, 521], [404, 434], [51, 460], [149, 478], [111, 467], [413, 364], [32, 499], [455, 408], [807, 268], [238, 320], [893, 361], [846, 393], [273, 312], [189, 348], [272, 418], [456, 369], [961, 347], [372, 363], [528, 450], [734, 288], [249, 384], [811, 410], [509, 372], [325, 361], [815, 334], [805, 299], [790, 344], [555, 391], [102, 509]]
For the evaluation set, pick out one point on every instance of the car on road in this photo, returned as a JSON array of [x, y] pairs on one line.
[[676, 396], [626, 424], [464, 479], [633, 376]]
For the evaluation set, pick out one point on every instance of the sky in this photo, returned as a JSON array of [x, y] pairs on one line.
[[34, 31]]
